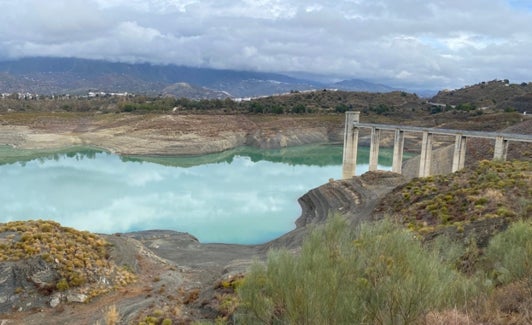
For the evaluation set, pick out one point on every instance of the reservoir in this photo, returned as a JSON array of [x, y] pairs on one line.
[[245, 196]]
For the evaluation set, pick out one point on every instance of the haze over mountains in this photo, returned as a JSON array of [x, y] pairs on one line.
[[44, 75]]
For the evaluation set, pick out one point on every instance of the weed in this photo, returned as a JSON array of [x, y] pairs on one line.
[[112, 316]]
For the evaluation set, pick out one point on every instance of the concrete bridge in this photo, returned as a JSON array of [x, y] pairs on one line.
[[352, 126]]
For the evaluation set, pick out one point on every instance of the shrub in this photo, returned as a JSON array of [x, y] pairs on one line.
[[509, 254], [379, 273], [62, 285]]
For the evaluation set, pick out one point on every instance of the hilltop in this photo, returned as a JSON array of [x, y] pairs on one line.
[[495, 94]]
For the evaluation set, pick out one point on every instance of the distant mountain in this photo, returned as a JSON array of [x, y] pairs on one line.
[[44, 75], [185, 90], [361, 85]]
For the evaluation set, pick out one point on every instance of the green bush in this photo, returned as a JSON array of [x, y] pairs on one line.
[[379, 273], [62, 285], [509, 254]]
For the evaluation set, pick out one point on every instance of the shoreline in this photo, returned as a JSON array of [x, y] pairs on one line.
[[163, 135]]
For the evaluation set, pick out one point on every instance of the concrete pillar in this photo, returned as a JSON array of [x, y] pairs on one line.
[[425, 160], [349, 160], [374, 149], [501, 148], [459, 153], [398, 146]]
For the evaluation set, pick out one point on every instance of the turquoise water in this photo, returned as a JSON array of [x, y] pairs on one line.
[[244, 196]]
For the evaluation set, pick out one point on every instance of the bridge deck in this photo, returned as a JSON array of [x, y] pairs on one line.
[[470, 134]]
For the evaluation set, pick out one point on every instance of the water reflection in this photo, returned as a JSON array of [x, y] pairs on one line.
[[245, 195]]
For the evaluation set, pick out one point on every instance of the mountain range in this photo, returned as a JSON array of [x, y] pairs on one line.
[[46, 76]]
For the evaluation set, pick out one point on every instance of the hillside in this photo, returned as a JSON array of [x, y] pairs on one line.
[[340, 101], [48, 76], [486, 193], [499, 94]]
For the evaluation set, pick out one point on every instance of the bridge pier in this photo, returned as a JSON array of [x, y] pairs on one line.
[[501, 148], [459, 153], [349, 162], [374, 149], [398, 147], [425, 160]]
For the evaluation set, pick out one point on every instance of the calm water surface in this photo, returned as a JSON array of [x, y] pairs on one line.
[[242, 196]]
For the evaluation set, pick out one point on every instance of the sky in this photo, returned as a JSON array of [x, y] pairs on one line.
[[425, 44]]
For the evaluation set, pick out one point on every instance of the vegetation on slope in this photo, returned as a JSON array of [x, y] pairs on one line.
[[80, 258], [293, 103], [488, 190], [499, 94], [381, 273], [377, 274]]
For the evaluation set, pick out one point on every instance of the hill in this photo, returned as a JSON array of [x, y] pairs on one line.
[[474, 201], [44, 75], [497, 94]]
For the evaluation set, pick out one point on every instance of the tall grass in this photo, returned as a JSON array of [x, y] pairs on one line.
[[509, 254], [378, 274], [508, 263]]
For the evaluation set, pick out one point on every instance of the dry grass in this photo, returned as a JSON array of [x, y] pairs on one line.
[[447, 317], [112, 316], [509, 304]]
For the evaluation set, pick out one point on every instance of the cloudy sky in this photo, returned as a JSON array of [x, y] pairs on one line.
[[414, 43]]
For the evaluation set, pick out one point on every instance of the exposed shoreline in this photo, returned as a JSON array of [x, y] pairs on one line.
[[128, 134]]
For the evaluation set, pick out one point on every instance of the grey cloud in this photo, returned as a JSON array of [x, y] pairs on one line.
[[432, 44]]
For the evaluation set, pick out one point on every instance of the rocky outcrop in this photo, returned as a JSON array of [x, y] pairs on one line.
[[25, 284], [354, 198]]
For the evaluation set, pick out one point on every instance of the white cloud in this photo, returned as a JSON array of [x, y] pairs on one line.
[[434, 42]]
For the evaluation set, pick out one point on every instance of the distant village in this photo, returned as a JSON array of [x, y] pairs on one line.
[[90, 94]]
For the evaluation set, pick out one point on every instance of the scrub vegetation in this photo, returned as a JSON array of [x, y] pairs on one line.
[[382, 273], [81, 259], [487, 190]]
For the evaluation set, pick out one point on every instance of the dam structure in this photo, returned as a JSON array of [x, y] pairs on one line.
[[353, 125]]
